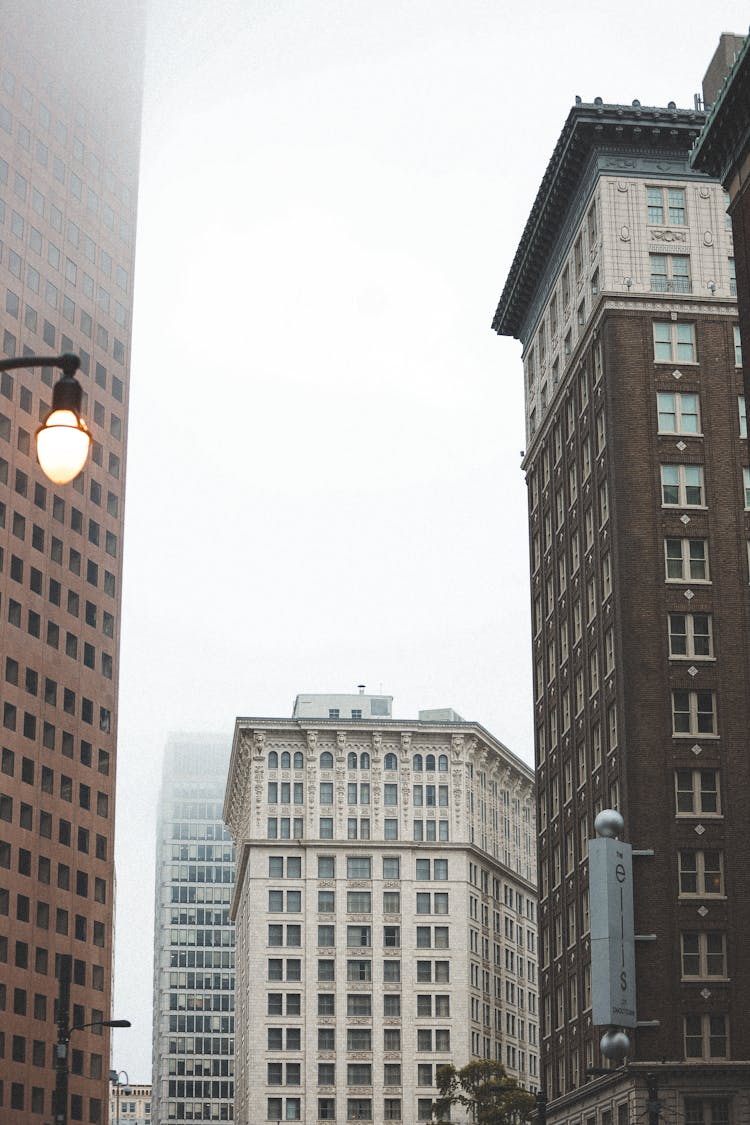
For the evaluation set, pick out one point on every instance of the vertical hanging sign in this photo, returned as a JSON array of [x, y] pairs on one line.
[[612, 933]]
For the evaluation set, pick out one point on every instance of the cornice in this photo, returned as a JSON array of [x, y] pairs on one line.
[[632, 137]]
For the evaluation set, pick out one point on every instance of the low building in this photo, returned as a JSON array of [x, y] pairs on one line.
[[385, 910], [129, 1103]]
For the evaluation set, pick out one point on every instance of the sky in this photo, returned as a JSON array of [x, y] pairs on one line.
[[324, 483]]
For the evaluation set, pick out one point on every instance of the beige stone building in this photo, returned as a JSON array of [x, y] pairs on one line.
[[385, 906]]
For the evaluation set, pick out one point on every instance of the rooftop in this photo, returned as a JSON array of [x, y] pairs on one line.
[[589, 126]]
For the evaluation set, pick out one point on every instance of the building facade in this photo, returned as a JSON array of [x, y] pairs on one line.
[[69, 139], [723, 151], [193, 1040], [622, 293], [129, 1104], [385, 911]]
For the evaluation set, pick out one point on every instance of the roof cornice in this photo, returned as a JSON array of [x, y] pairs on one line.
[[726, 133], [648, 130]]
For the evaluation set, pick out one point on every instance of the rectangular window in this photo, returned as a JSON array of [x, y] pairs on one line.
[[693, 713], [690, 635], [697, 792], [686, 560], [670, 273], [666, 205], [706, 1036], [703, 954], [682, 486], [674, 342], [700, 872], [742, 415], [737, 346], [678, 413]]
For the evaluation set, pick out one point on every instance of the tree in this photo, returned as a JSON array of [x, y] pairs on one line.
[[485, 1092]]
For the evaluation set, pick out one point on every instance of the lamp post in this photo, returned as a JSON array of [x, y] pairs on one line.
[[64, 1032], [114, 1077], [63, 440]]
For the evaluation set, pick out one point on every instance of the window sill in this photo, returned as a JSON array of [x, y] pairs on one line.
[[694, 735]]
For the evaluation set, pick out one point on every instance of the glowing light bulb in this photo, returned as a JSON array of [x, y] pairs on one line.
[[62, 445]]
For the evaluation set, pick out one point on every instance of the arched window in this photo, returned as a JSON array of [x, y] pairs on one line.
[[443, 763], [351, 761], [299, 761], [326, 761], [417, 763], [364, 761], [391, 762], [273, 760], [430, 762], [286, 760]]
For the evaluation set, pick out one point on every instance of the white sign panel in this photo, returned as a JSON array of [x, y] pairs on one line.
[[612, 937]]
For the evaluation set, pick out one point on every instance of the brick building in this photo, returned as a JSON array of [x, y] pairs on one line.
[[723, 151], [69, 138], [622, 295], [385, 910]]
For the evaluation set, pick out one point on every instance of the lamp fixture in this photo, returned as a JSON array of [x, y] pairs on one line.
[[63, 440]]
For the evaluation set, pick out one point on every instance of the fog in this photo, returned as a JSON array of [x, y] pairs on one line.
[[324, 483]]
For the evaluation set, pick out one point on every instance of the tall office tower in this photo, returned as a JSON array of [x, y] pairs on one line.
[[622, 294], [69, 136], [385, 910], [193, 1043]]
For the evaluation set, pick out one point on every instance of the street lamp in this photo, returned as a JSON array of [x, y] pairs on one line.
[[114, 1077], [64, 1032], [63, 440]]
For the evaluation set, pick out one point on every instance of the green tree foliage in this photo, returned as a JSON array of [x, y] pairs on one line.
[[485, 1092]]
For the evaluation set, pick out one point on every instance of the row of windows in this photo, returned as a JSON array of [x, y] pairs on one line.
[[360, 937], [357, 1109], [361, 1073], [59, 130], [54, 595], [23, 191], [65, 829], [357, 902], [290, 968], [419, 762], [38, 543], [28, 765], [287, 828]]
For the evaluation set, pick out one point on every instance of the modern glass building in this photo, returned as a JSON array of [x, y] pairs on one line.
[[193, 1044]]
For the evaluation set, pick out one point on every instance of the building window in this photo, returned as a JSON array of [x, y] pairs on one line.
[[697, 792], [686, 560], [707, 1111], [703, 954], [737, 346], [678, 413], [742, 414], [674, 342], [693, 712], [700, 872], [706, 1037], [670, 273], [690, 635], [682, 486], [666, 205], [732, 278]]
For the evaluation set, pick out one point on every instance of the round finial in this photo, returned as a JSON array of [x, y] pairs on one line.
[[609, 823], [614, 1044], [598, 101], [671, 105], [636, 103]]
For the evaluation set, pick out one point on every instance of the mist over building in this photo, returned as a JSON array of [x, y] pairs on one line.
[[70, 106], [193, 1038]]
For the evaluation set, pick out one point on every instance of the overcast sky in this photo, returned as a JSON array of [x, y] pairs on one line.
[[324, 483]]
